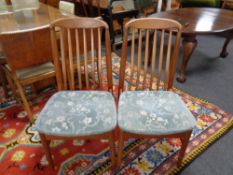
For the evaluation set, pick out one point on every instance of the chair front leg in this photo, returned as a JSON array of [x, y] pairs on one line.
[[24, 100], [112, 148], [120, 149], [185, 140], [45, 144], [12, 87]]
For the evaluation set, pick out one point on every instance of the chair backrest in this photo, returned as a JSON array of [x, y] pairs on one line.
[[88, 8], [26, 4], [151, 42], [28, 48], [83, 62], [66, 6]]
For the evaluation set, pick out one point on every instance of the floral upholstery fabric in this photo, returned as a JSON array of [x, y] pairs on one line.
[[153, 112], [78, 113]]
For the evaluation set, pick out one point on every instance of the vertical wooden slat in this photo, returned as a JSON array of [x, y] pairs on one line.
[[93, 58], [160, 59], [139, 58], [62, 46], [99, 60], [108, 60], [79, 70], [85, 58], [56, 60], [168, 60], [71, 65], [132, 59], [146, 58], [153, 58]]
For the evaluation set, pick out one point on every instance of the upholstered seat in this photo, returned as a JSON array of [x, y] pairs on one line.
[[153, 112], [78, 113], [34, 71]]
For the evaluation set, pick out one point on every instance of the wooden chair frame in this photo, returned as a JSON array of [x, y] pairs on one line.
[[163, 26], [67, 69], [30, 42]]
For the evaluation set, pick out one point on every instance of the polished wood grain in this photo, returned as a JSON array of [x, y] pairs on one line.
[[199, 21], [166, 55], [23, 19]]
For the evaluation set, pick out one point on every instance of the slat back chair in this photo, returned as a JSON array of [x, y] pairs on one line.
[[29, 59], [152, 114], [153, 44], [82, 52], [85, 114]]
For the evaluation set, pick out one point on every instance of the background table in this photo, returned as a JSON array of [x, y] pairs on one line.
[[28, 17], [199, 21], [16, 20]]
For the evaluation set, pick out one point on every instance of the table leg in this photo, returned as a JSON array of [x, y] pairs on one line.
[[189, 44], [224, 52]]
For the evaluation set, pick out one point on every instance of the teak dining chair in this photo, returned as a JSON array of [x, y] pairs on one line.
[[80, 114], [151, 110], [29, 60]]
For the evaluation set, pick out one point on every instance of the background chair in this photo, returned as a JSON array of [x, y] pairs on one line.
[[66, 6], [148, 114], [29, 60], [105, 9], [80, 114]]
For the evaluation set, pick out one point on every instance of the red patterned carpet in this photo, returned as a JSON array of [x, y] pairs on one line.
[[21, 151]]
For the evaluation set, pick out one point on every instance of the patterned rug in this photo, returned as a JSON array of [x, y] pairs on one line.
[[21, 151]]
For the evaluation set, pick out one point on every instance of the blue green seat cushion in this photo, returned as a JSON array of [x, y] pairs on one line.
[[78, 113], [153, 113]]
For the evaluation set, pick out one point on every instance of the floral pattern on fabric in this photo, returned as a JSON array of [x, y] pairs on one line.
[[153, 112], [72, 113]]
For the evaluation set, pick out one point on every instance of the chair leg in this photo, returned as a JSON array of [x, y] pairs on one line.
[[25, 102], [185, 141], [45, 144], [12, 86], [120, 148], [3, 81], [112, 148]]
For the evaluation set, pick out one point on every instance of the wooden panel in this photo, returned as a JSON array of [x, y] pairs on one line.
[[24, 49]]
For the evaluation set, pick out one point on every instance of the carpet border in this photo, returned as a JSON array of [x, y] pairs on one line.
[[198, 151]]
